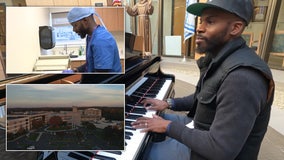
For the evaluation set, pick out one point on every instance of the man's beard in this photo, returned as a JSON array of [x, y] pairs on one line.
[[82, 35], [212, 45]]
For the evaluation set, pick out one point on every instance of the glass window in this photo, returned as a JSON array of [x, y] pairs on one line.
[[276, 54], [254, 31], [63, 30]]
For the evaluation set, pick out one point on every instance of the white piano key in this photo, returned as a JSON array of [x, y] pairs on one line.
[[162, 93]]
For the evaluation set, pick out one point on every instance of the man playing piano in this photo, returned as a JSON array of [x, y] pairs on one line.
[[101, 49], [230, 108]]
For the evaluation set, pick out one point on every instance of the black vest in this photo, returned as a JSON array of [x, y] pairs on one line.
[[213, 72]]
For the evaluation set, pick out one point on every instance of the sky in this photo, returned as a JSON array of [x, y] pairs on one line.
[[60, 95]]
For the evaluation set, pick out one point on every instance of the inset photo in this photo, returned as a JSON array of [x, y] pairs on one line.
[[65, 40], [65, 117]]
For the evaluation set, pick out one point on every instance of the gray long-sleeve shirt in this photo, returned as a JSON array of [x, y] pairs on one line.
[[240, 115]]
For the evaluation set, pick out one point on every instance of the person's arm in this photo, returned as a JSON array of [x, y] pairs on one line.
[[183, 104], [239, 101]]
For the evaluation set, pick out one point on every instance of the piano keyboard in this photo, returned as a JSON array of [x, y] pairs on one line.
[[145, 88]]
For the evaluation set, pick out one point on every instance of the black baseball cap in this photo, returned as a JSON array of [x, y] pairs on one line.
[[242, 8]]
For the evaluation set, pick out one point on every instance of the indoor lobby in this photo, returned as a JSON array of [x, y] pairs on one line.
[[265, 35]]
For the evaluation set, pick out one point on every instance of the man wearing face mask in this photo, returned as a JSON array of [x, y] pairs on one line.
[[102, 53]]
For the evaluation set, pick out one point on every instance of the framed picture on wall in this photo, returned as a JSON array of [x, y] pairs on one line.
[[259, 13], [277, 43]]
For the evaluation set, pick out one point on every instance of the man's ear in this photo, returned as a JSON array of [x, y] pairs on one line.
[[237, 28]]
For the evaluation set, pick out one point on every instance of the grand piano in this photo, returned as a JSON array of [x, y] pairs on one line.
[[143, 78]]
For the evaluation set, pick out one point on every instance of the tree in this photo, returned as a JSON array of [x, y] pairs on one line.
[[37, 123], [21, 131], [55, 121]]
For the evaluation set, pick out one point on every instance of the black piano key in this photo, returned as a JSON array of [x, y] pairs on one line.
[[150, 96], [135, 109], [101, 157], [128, 123], [142, 90], [139, 110], [131, 116], [156, 88], [144, 95], [153, 92], [115, 152], [77, 156], [89, 154], [139, 92], [127, 137], [132, 100], [128, 108], [142, 105], [130, 128], [137, 96], [128, 133]]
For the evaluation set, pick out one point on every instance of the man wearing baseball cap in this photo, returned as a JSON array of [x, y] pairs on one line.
[[231, 106], [101, 49]]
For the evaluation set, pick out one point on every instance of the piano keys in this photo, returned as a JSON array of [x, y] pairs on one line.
[[147, 87]]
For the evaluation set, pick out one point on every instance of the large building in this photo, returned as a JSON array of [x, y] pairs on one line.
[[91, 114], [23, 120]]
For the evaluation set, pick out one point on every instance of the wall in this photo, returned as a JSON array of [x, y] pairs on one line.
[[128, 18], [7, 2], [154, 18], [167, 18], [22, 41]]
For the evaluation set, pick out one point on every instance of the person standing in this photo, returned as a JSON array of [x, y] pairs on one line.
[[102, 53], [229, 112]]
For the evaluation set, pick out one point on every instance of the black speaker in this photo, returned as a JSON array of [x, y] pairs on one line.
[[46, 37]]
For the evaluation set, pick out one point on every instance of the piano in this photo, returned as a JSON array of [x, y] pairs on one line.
[[143, 78], [152, 84]]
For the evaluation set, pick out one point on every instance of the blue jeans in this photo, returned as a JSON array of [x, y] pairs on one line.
[[170, 148]]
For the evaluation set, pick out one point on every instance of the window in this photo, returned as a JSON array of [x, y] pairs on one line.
[[63, 30]]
